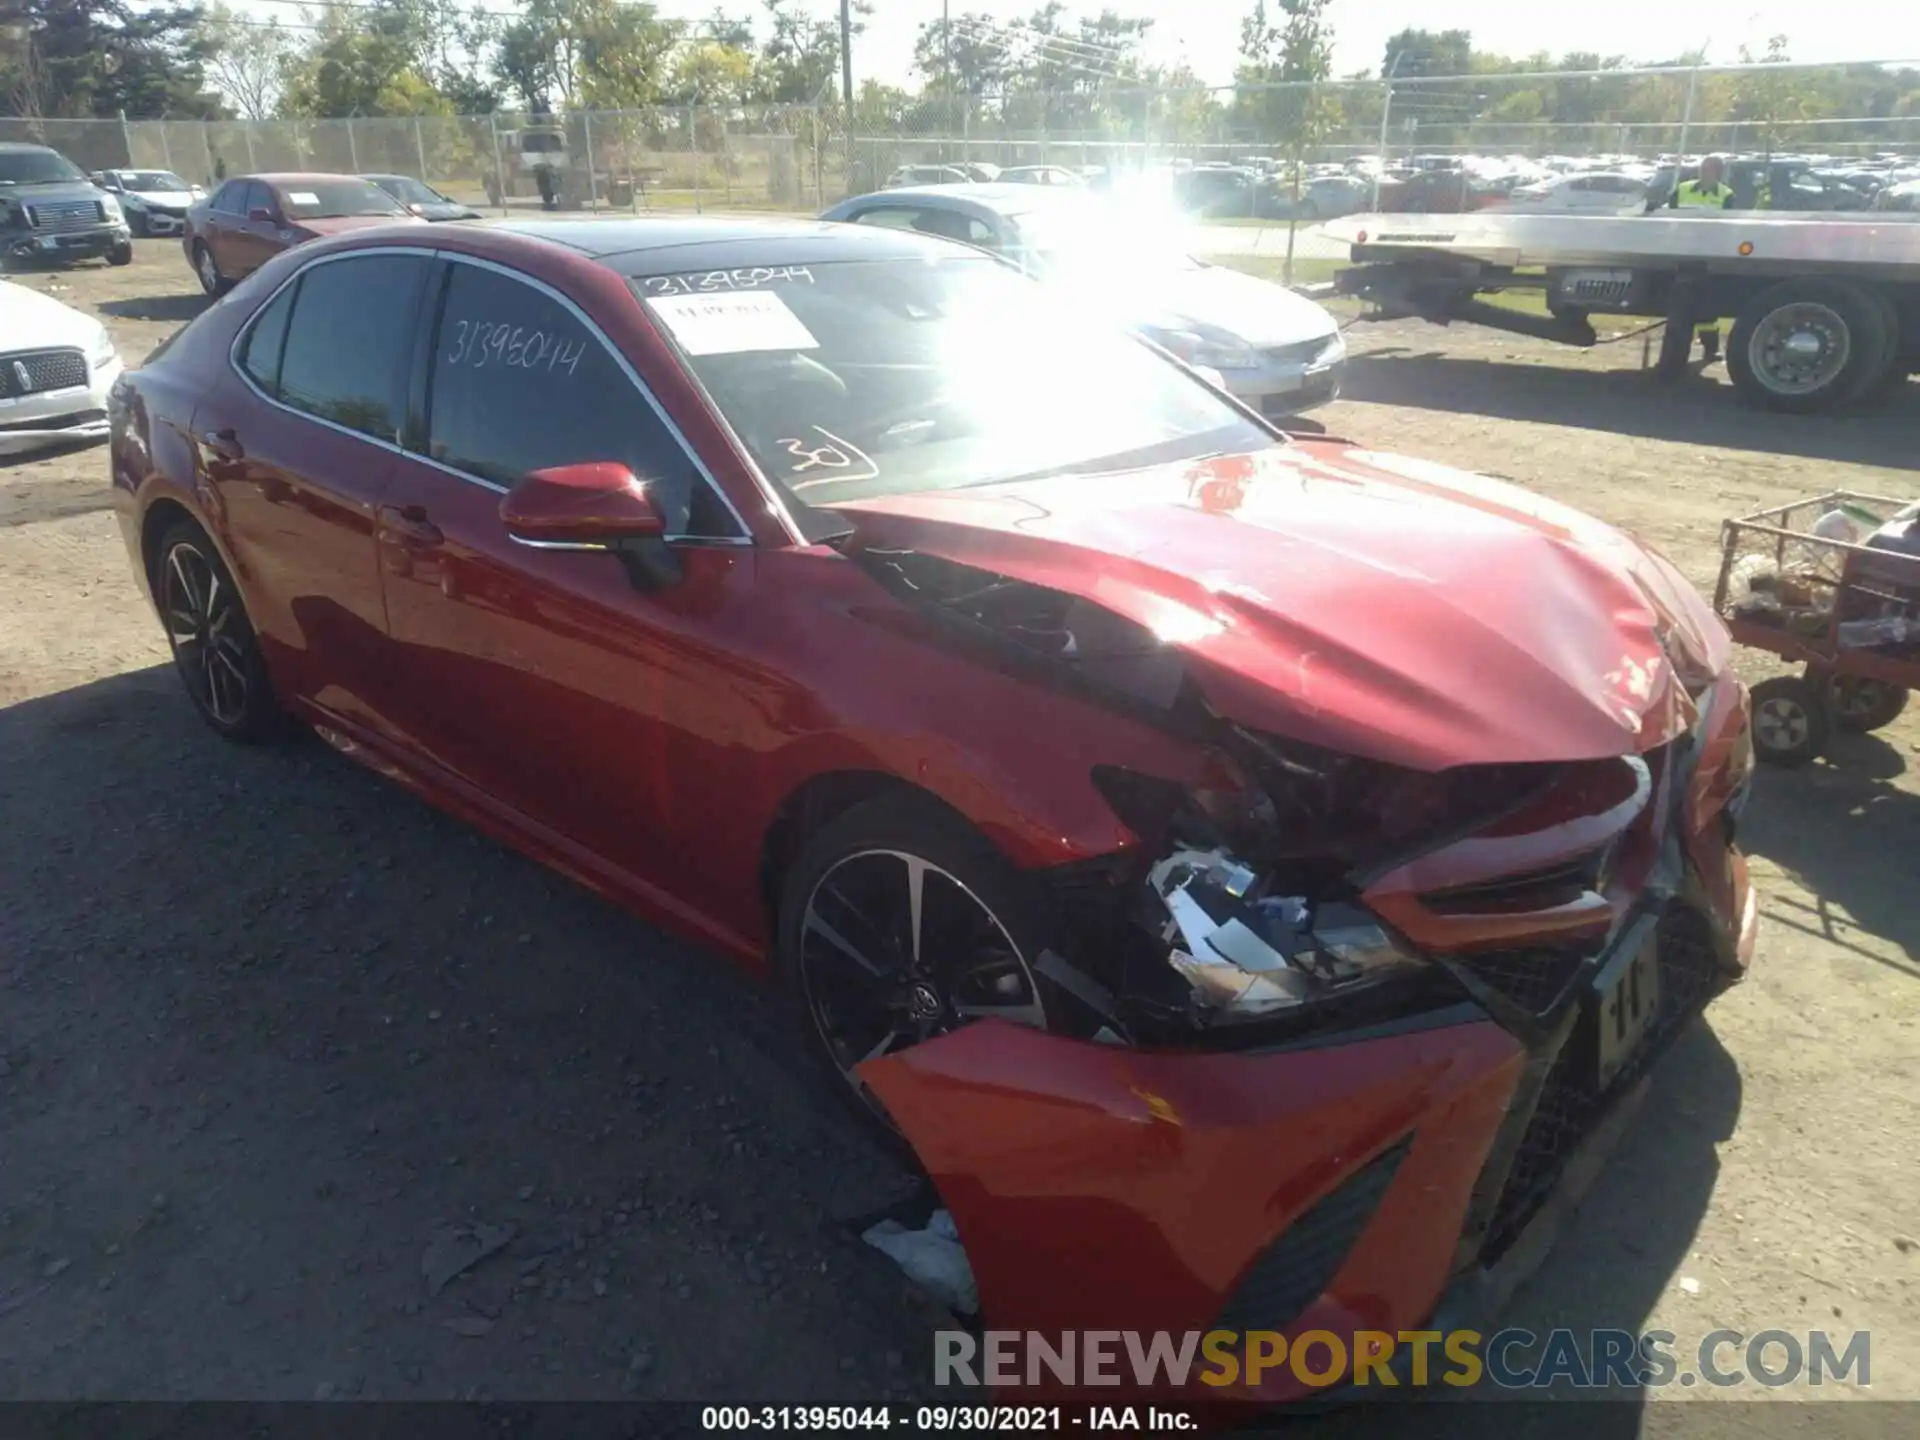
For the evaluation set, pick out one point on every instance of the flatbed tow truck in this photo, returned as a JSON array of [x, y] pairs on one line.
[[1825, 307]]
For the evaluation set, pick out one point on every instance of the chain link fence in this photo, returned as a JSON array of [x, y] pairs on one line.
[[798, 159]]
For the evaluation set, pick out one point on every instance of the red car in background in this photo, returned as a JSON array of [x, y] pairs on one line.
[[1246, 870], [252, 218]]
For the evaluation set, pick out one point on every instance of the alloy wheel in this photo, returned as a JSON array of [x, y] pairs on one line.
[[1782, 723], [209, 271], [206, 632], [894, 950]]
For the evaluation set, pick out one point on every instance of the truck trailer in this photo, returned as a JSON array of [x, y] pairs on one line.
[[1825, 307]]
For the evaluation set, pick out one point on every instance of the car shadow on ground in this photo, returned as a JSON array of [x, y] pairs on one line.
[[1614, 1257], [1698, 411], [314, 1017], [1852, 839], [156, 307]]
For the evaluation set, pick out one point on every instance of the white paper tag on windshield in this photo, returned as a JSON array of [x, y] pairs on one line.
[[731, 322], [303, 197]]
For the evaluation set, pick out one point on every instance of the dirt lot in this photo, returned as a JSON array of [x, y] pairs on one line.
[[265, 1020]]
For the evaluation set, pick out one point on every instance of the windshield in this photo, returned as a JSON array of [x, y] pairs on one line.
[[36, 167], [335, 199], [868, 378], [154, 180], [408, 190]]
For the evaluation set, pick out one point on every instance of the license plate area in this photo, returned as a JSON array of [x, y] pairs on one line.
[[1625, 1000]]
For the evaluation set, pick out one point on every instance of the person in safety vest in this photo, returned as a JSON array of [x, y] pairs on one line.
[[1710, 189]]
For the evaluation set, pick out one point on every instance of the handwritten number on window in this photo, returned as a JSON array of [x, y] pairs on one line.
[[479, 342]]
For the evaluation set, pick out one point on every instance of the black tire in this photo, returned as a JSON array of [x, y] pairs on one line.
[[844, 880], [1845, 322], [137, 223], [207, 270], [121, 254], [211, 637], [1792, 720], [1860, 705]]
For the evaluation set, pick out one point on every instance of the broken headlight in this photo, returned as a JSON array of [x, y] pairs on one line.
[[1249, 955]]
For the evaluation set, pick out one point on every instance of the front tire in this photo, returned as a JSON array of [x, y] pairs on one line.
[[212, 639], [121, 254], [1792, 720], [899, 923]]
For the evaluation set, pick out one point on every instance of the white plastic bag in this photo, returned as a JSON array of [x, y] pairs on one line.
[[932, 1258]]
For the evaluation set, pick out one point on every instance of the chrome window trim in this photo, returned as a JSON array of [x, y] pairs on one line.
[[744, 538]]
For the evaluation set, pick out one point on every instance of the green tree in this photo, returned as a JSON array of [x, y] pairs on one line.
[[373, 61], [967, 55], [1772, 99], [247, 61], [1285, 55], [711, 72], [800, 58], [97, 58], [603, 53]]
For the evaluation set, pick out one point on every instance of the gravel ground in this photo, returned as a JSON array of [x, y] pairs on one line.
[[273, 1034]]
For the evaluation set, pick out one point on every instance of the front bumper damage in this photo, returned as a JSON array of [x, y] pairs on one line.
[[1397, 1167]]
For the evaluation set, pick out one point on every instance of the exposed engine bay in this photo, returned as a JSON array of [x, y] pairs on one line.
[[1240, 916]]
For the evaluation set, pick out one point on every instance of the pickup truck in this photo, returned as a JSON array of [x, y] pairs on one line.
[[49, 210]]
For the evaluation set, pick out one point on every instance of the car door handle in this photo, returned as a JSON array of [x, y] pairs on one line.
[[408, 524], [224, 443]]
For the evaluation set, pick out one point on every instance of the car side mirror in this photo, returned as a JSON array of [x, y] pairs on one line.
[[260, 215], [598, 505]]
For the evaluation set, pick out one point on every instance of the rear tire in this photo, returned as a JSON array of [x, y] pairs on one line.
[[214, 646], [1792, 720], [1808, 345], [207, 269], [1860, 705], [859, 982]]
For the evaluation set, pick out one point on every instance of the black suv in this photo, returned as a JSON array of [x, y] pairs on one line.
[[50, 211]]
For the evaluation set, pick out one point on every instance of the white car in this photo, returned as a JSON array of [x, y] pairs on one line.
[[1273, 350], [1604, 192], [56, 367], [156, 201]]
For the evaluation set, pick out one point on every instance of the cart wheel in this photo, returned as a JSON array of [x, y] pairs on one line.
[[1791, 720], [1860, 704]]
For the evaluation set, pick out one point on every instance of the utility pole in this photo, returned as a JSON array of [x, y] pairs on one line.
[[846, 53], [1386, 112]]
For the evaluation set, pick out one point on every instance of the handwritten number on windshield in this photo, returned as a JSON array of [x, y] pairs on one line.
[[842, 459]]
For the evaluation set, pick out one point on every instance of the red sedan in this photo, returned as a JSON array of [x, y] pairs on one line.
[[1246, 870], [252, 218]]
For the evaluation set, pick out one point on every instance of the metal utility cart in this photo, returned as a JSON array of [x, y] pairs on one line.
[[1825, 307], [1848, 612]]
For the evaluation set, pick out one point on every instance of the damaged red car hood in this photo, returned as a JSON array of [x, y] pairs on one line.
[[1367, 602]]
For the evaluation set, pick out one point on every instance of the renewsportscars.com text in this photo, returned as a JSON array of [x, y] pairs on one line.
[[1510, 1359]]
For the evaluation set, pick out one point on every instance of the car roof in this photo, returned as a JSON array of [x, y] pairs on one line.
[[295, 177], [722, 242], [1007, 199], [21, 147]]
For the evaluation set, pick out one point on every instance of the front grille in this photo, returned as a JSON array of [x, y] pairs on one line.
[[59, 215], [31, 372], [1570, 1102], [1532, 979], [1296, 1269]]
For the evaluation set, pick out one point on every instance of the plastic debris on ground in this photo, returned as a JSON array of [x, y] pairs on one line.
[[932, 1258]]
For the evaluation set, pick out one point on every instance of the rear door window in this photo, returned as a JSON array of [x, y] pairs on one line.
[[350, 341]]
